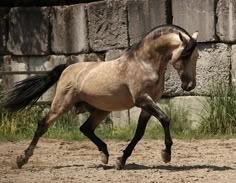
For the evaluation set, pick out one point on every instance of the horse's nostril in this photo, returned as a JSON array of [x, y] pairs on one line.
[[188, 88], [191, 86]]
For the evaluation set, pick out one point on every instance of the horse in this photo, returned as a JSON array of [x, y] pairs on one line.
[[136, 78]]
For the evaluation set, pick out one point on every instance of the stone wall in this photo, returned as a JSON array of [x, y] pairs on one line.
[[39, 38]]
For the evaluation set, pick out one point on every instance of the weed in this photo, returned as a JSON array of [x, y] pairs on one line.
[[219, 116]]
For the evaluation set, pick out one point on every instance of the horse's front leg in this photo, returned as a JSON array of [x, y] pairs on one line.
[[88, 130], [146, 103], [142, 123]]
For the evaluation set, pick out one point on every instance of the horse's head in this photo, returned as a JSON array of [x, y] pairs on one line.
[[184, 59]]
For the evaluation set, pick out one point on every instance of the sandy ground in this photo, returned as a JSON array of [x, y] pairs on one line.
[[205, 161]]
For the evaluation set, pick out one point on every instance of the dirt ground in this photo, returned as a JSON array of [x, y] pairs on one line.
[[206, 161]]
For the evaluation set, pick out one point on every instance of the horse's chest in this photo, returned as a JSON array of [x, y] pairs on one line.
[[154, 88]]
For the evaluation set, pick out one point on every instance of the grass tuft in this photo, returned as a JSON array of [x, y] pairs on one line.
[[219, 117]]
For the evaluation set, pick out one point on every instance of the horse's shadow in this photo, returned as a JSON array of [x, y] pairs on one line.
[[134, 166], [173, 168], [67, 166]]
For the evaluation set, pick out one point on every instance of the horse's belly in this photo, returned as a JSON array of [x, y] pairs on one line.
[[115, 100], [110, 103]]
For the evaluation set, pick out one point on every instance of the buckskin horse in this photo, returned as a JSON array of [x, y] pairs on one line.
[[136, 78]]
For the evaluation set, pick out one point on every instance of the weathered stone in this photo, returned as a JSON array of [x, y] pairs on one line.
[[119, 118], [192, 106], [195, 15], [107, 25], [28, 31], [92, 57], [213, 65], [3, 29], [233, 64], [134, 115], [113, 54], [46, 64], [31, 63], [226, 24], [144, 15], [69, 30], [11, 63]]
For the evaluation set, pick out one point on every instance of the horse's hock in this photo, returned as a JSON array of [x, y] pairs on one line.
[[37, 39]]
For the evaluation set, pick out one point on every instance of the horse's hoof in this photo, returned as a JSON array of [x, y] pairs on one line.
[[17, 164], [120, 164], [20, 161], [104, 158], [165, 156]]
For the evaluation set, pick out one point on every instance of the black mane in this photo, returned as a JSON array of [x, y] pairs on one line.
[[156, 31]]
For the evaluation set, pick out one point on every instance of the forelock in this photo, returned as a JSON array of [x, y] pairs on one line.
[[189, 48]]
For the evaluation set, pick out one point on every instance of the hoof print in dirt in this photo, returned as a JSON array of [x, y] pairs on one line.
[[16, 163]]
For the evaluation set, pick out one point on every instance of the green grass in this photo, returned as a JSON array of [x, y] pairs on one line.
[[219, 117], [218, 121]]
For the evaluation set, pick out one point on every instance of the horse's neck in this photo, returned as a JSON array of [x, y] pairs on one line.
[[157, 60]]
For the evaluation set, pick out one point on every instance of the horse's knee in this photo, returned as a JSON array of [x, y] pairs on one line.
[[84, 129], [165, 120]]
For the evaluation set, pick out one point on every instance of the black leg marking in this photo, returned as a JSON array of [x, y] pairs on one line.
[[41, 129], [142, 123], [146, 103], [88, 130]]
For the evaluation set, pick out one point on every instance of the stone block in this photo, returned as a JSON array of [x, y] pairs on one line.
[[28, 31], [233, 64], [113, 54], [3, 29], [226, 24], [192, 106], [69, 29], [195, 15], [107, 24], [30, 63], [91, 57], [213, 65], [144, 15], [134, 115], [46, 64], [119, 118], [11, 63]]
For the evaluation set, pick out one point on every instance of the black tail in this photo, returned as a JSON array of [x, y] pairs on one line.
[[28, 91]]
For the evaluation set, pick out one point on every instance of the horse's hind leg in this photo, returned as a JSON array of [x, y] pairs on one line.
[[60, 105], [88, 130], [142, 123]]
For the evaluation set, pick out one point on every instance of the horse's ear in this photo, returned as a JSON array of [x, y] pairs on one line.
[[195, 35], [183, 39]]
